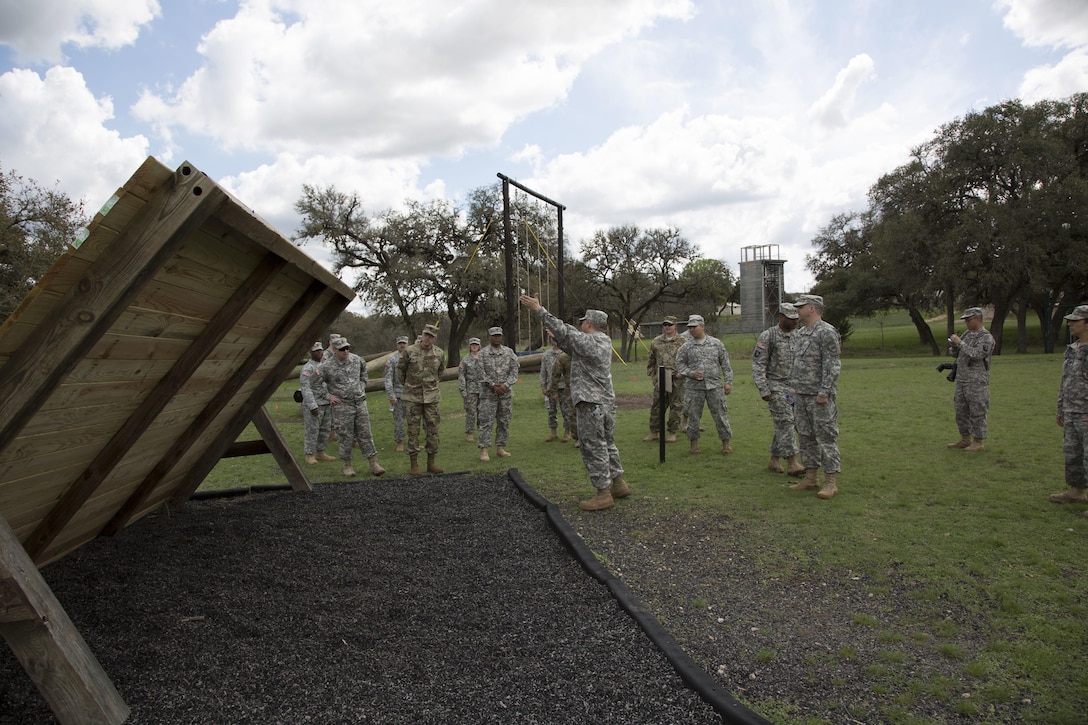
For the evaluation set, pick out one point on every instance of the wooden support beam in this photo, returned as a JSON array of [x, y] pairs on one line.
[[48, 645], [128, 434], [246, 448], [102, 294], [264, 390], [279, 450]]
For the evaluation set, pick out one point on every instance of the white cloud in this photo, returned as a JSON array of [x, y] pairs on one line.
[[1054, 23], [378, 78], [37, 31], [1068, 76], [52, 128], [834, 107]]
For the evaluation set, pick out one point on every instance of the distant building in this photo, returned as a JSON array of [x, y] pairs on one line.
[[762, 278]]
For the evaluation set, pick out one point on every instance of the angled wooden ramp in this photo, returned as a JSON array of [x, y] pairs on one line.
[[124, 376]]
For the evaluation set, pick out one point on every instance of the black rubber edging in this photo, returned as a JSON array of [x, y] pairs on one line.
[[695, 677]]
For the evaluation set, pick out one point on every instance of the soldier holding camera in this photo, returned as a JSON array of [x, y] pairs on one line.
[[973, 352]]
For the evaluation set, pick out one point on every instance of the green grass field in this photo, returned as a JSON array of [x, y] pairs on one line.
[[975, 530]]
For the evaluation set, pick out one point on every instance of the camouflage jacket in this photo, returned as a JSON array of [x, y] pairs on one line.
[[468, 374], [772, 359], [816, 364], [708, 355], [394, 387], [421, 370], [314, 391], [663, 354], [346, 380], [590, 360], [973, 357], [1073, 393], [498, 365]]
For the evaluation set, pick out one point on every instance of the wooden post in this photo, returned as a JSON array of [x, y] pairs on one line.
[[48, 645]]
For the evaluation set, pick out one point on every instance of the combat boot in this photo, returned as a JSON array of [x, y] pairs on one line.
[[501, 452], [809, 482], [975, 447], [400, 446], [553, 436], [1070, 495], [323, 456], [695, 447], [413, 459], [600, 502], [726, 448], [577, 443], [963, 442], [670, 438], [619, 488], [794, 467], [311, 459], [829, 489], [348, 470], [566, 435], [432, 467], [469, 438], [774, 466], [483, 455], [374, 467], [649, 437]]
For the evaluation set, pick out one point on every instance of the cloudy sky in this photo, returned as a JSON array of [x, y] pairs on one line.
[[741, 122]]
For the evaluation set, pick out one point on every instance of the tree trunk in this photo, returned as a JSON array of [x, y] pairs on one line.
[[925, 334], [997, 325]]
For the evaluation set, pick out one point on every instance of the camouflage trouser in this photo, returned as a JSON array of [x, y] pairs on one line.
[[553, 412], [972, 401], [472, 411], [596, 428], [570, 417], [316, 428], [398, 420], [818, 431], [428, 415], [1075, 449], [784, 443], [674, 403], [495, 412], [351, 420], [715, 402]]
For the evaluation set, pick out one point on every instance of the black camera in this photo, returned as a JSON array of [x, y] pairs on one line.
[[951, 377]]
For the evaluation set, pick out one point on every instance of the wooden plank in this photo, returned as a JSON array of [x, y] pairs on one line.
[[91, 306], [48, 645], [151, 406], [246, 448], [279, 450], [267, 386]]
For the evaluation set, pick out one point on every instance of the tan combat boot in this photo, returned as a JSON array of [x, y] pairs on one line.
[[501, 452], [695, 447], [348, 470], [649, 437], [619, 488], [413, 459], [794, 467], [400, 446], [311, 459], [829, 489], [809, 482], [600, 502], [566, 435], [975, 447], [483, 455], [774, 466], [1070, 495], [432, 467], [552, 436], [963, 442], [323, 456], [374, 467], [670, 438], [469, 438], [726, 448], [577, 443]]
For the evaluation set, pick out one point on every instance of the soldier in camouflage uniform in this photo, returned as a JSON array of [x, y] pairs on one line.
[[468, 383], [316, 418], [345, 375], [547, 362], [814, 382], [973, 352], [559, 391], [420, 367], [771, 363], [590, 351], [394, 389], [499, 371], [663, 349], [704, 362], [1073, 410]]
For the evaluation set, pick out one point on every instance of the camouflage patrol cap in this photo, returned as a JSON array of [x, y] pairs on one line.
[[494, 331], [815, 300], [430, 330], [669, 320], [597, 317], [1080, 312], [696, 320], [342, 344], [402, 338], [788, 310], [316, 347], [971, 312], [474, 341]]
